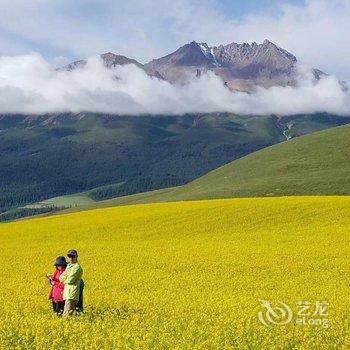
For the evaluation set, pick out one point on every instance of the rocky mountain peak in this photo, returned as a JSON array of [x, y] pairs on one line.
[[111, 60], [192, 54], [241, 66]]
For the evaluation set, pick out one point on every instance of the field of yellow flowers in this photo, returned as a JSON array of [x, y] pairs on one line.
[[188, 275]]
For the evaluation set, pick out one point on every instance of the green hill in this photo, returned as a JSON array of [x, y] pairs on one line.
[[49, 156], [316, 164]]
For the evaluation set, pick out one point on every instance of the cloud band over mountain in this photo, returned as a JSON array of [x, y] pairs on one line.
[[30, 85]]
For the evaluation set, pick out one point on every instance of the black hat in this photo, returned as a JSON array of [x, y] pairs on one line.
[[61, 261], [72, 252]]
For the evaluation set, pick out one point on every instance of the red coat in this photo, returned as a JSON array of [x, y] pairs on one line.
[[56, 292]]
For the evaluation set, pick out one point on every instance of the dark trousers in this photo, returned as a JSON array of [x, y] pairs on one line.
[[80, 306], [58, 307]]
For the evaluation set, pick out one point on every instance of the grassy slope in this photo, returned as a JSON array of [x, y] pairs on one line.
[[71, 200], [54, 155], [313, 164], [182, 275], [308, 165], [50, 158]]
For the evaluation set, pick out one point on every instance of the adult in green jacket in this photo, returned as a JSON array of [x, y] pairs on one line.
[[71, 278]]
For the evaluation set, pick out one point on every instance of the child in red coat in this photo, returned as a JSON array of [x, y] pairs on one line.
[[56, 291]]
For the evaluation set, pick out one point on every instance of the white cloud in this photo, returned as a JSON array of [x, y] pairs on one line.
[[29, 84]]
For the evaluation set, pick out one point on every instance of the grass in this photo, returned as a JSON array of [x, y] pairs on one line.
[[72, 200], [316, 164], [65, 201], [184, 275], [59, 154]]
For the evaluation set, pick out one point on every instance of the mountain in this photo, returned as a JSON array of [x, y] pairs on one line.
[[111, 60], [315, 164], [185, 63], [109, 156], [241, 66]]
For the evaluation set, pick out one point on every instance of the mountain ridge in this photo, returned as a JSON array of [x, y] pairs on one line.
[[242, 67], [111, 60]]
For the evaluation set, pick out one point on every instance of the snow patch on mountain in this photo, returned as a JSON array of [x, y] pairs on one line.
[[216, 63], [208, 53]]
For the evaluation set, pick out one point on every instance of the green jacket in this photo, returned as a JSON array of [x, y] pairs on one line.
[[71, 278]]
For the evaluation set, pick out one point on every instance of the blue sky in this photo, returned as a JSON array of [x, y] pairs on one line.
[[316, 31], [238, 9]]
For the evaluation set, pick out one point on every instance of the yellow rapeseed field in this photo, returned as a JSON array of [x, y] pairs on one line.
[[187, 275]]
